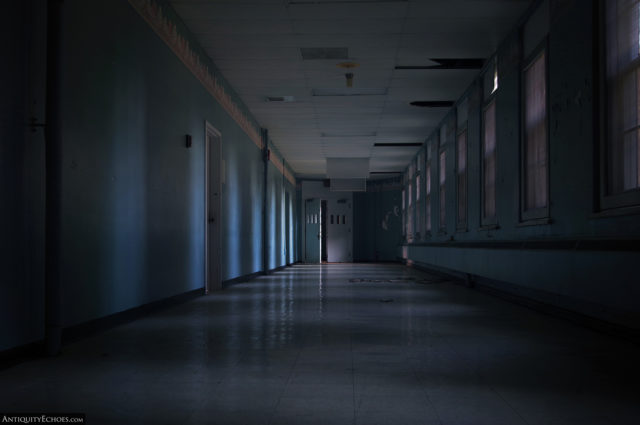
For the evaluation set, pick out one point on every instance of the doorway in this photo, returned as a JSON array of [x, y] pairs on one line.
[[213, 188], [312, 234], [323, 231], [287, 228]]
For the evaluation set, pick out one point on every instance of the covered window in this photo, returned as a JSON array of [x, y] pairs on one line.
[[443, 181], [427, 196], [461, 163], [489, 164], [535, 161], [622, 145], [461, 168]]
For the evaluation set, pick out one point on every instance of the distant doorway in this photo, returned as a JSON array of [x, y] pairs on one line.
[[213, 187], [323, 231], [312, 234], [287, 227]]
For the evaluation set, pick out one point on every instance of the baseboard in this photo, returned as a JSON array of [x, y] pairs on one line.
[[240, 279], [276, 269], [74, 333], [83, 330], [509, 292], [13, 356], [251, 276]]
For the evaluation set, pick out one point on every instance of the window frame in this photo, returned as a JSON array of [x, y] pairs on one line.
[[484, 220], [489, 98], [462, 127], [442, 190], [534, 215], [623, 202], [428, 189]]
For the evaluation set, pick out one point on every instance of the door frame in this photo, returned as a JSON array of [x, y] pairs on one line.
[[215, 221], [306, 231]]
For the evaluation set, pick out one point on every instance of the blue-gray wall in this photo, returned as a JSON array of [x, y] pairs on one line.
[[133, 196], [22, 41], [596, 281], [280, 215]]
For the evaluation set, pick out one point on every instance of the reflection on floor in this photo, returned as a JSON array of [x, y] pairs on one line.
[[338, 344]]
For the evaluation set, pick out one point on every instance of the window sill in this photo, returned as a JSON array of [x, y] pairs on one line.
[[535, 222], [616, 212]]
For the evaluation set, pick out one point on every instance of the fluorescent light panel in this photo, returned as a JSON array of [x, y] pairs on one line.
[[346, 168], [363, 134]]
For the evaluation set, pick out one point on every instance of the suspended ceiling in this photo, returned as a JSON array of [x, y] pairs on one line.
[[258, 46]]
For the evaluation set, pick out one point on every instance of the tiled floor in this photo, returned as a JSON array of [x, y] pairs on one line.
[[307, 346]]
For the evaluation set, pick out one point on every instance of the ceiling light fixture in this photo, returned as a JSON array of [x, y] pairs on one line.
[[348, 75]]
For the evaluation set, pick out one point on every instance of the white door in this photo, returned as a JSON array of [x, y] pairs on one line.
[[213, 151]]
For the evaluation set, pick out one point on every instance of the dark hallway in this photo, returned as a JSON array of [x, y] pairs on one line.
[[339, 344], [320, 211]]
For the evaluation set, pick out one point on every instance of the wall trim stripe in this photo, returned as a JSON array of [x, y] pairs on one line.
[[278, 161], [167, 30]]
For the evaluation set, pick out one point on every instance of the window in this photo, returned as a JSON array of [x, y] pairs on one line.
[[417, 208], [461, 163], [404, 231], [410, 214], [427, 197], [443, 180], [535, 161], [622, 145], [489, 164], [461, 167]]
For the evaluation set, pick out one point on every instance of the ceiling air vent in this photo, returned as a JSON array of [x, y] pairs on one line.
[[396, 145], [314, 53], [433, 103], [465, 63], [280, 99], [349, 92]]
